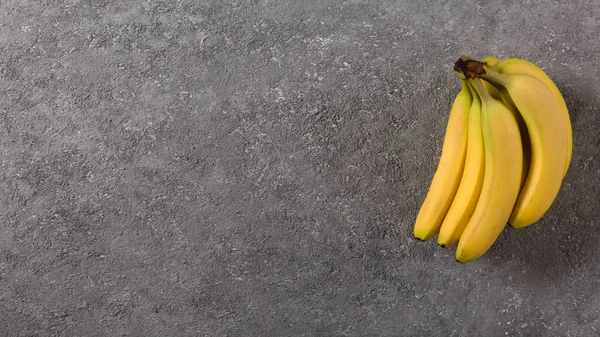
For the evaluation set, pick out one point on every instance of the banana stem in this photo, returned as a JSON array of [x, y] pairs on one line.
[[493, 76], [480, 89], [464, 85], [474, 93], [469, 68]]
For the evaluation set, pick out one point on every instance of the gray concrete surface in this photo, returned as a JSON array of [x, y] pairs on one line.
[[254, 168]]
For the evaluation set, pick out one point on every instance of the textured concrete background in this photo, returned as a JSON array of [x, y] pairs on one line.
[[254, 168]]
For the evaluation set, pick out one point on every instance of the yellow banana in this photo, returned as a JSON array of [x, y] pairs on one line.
[[451, 165], [549, 141], [490, 61], [468, 191], [504, 96], [503, 166], [512, 66]]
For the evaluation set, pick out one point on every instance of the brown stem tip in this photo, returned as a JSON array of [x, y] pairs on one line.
[[470, 68]]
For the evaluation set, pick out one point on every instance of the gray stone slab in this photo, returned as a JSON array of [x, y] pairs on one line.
[[254, 168]]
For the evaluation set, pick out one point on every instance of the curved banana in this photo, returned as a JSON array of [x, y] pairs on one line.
[[503, 166], [451, 165], [513, 66], [468, 191], [504, 96], [549, 142]]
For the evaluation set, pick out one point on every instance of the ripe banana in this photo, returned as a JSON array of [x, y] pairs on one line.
[[504, 96], [468, 191], [512, 66], [506, 150], [503, 166], [549, 142], [451, 165]]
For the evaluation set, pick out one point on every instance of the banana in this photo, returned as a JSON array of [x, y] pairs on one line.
[[548, 137], [448, 174], [513, 66], [503, 166], [490, 61], [504, 96], [507, 148], [468, 191]]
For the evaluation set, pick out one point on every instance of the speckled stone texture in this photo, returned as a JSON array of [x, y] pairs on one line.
[[254, 168]]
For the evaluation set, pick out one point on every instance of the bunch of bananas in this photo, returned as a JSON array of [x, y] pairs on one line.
[[506, 151]]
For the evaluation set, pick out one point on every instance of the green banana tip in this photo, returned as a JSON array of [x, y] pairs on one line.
[[468, 68]]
